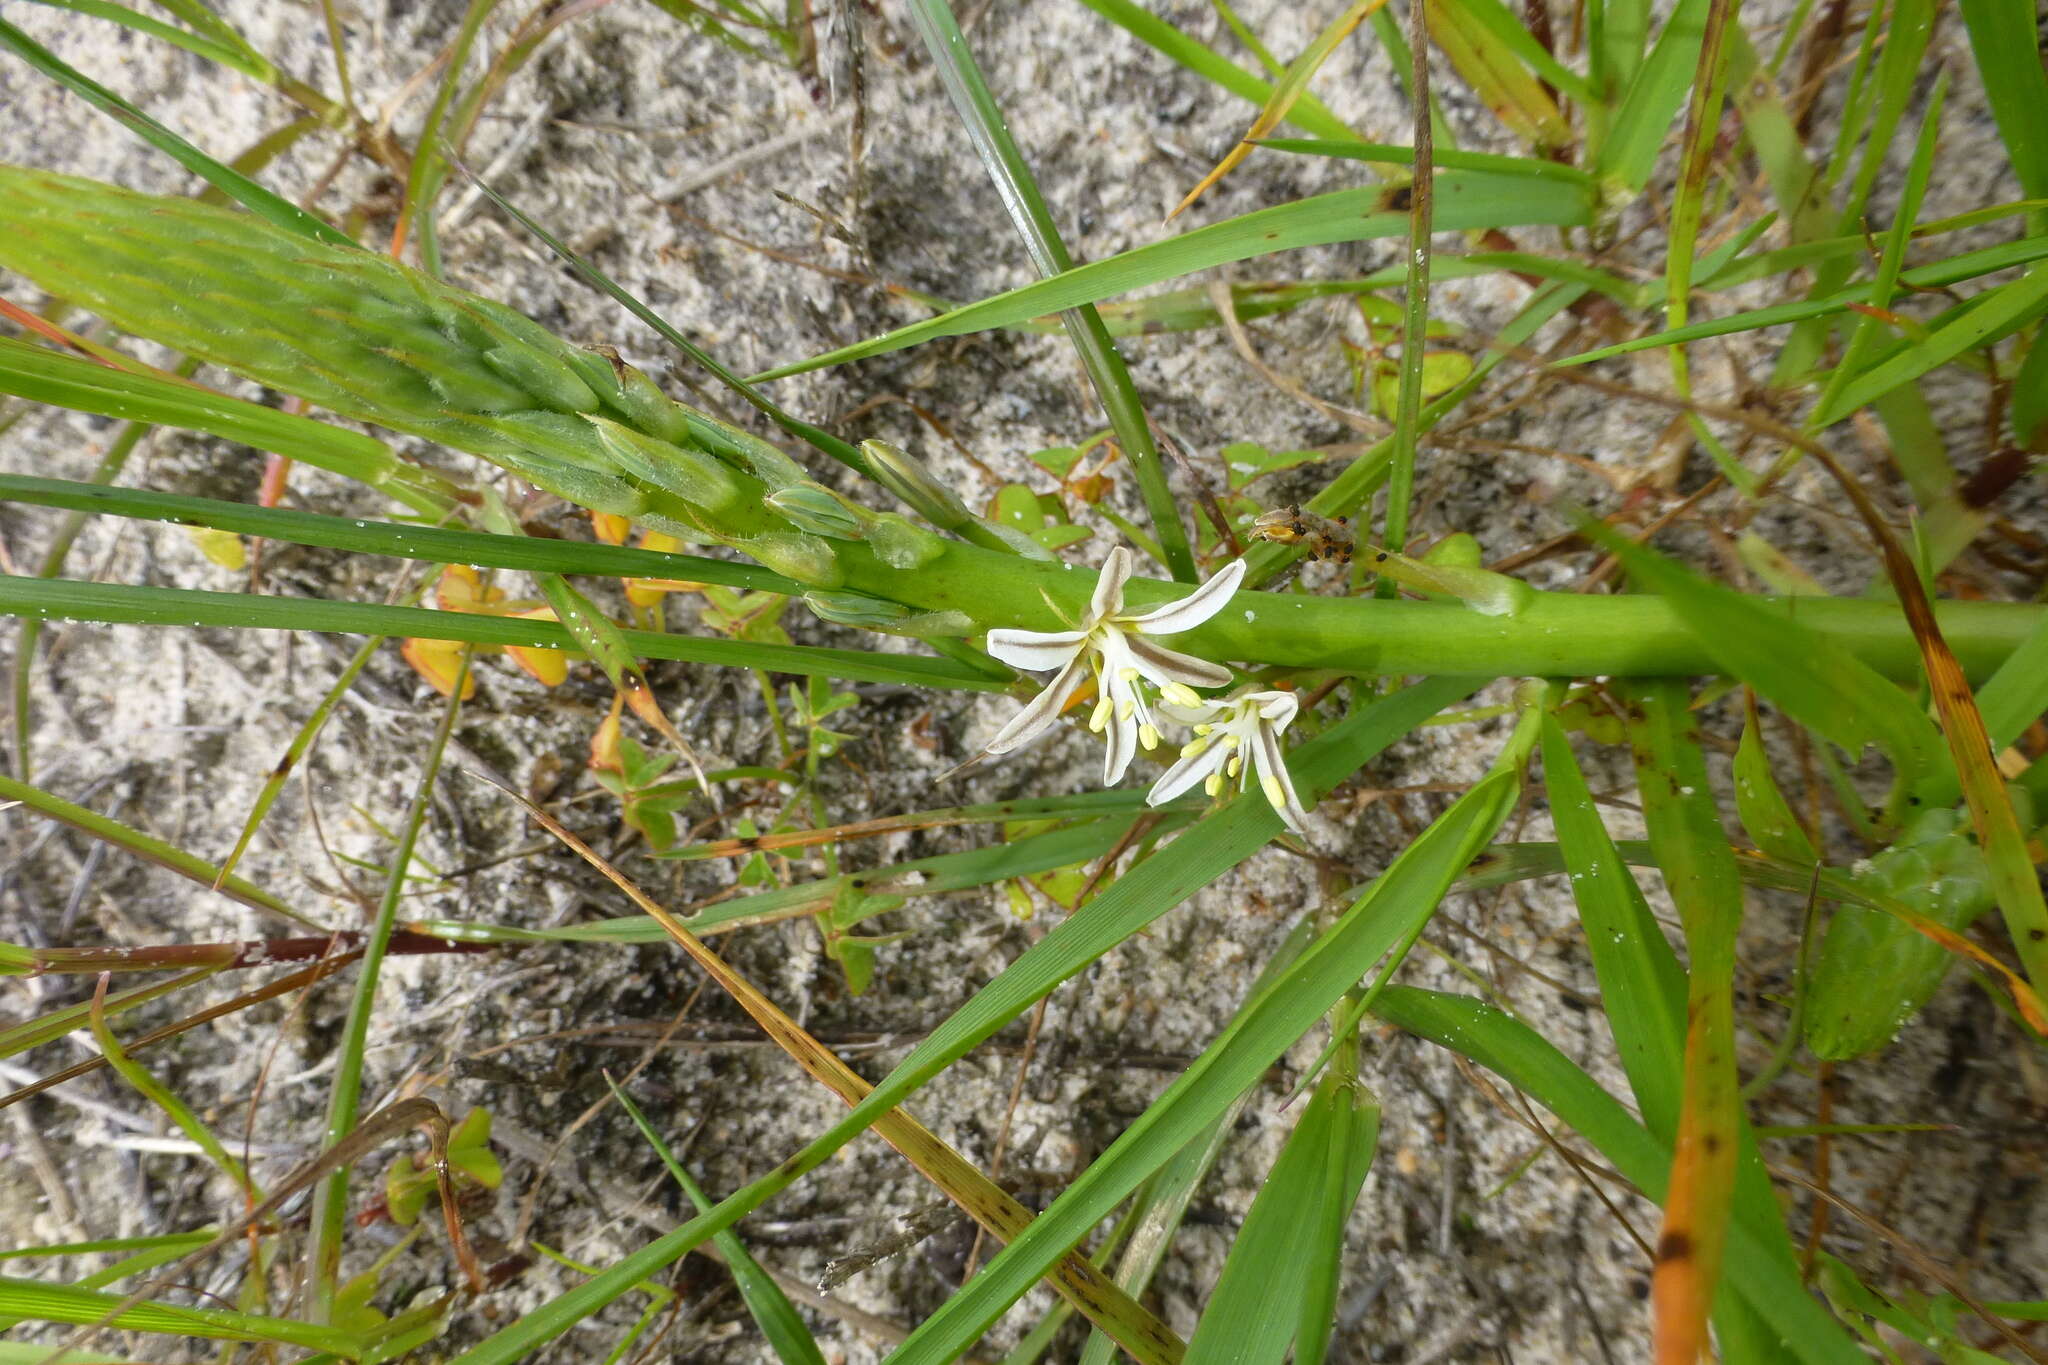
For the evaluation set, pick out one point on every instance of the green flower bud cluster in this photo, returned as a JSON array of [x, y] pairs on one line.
[[369, 338]]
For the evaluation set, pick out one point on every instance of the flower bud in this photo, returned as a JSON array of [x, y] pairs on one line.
[[807, 559], [812, 507], [901, 543], [902, 474], [690, 474]]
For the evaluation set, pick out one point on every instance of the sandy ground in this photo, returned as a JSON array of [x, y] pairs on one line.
[[726, 192]]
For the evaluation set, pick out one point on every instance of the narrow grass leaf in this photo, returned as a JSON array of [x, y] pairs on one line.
[[1252, 1315], [226, 179], [1292, 85], [1465, 200], [1655, 93], [2017, 694], [1699, 872], [1642, 985], [1032, 217], [431, 544], [1765, 813], [2006, 44], [1406, 895], [772, 1311], [235, 58], [1162, 1204], [144, 846], [301, 741], [1473, 35], [1510, 1049], [1816, 681], [1308, 113], [32, 1299], [70, 381], [1446, 158], [1996, 313], [118, 604], [160, 1095], [1155, 886], [1937, 275]]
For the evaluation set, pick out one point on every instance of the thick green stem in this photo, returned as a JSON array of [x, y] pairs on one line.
[[1557, 635]]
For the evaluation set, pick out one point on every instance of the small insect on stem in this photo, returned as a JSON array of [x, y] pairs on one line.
[[1324, 538]]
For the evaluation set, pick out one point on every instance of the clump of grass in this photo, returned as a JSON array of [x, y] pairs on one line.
[[1618, 185]]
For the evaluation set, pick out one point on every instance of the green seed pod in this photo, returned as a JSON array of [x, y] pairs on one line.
[[638, 398], [764, 461], [558, 436], [896, 470], [807, 559], [902, 544], [551, 384], [1874, 972], [590, 488], [817, 509], [857, 609], [690, 474], [891, 618]]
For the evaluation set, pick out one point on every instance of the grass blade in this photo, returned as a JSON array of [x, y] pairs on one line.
[[344, 1098], [42, 1302], [226, 179], [1643, 118], [144, 846], [1473, 34], [2006, 44], [1982, 320], [1032, 217], [69, 381], [1699, 872], [431, 544], [1292, 86], [1253, 1315], [773, 1313], [1308, 113], [1509, 1048], [1161, 1205], [1818, 684], [117, 604], [1465, 199], [1134, 900]]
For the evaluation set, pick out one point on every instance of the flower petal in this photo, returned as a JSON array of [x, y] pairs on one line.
[[1122, 737], [1188, 772], [1163, 665], [1109, 588], [1190, 611], [1036, 650], [1277, 709], [1271, 762], [1040, 713]]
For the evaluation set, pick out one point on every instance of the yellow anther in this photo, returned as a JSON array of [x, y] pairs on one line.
[[1181, 694], [1203, 729], [1235, 765], [1148, 736], [1274, 793], [1101, 715], [1124, 708], [1214, 786], [1193, 747]]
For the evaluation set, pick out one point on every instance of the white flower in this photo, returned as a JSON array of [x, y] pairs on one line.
[[1233, 737], [1114, 645]]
